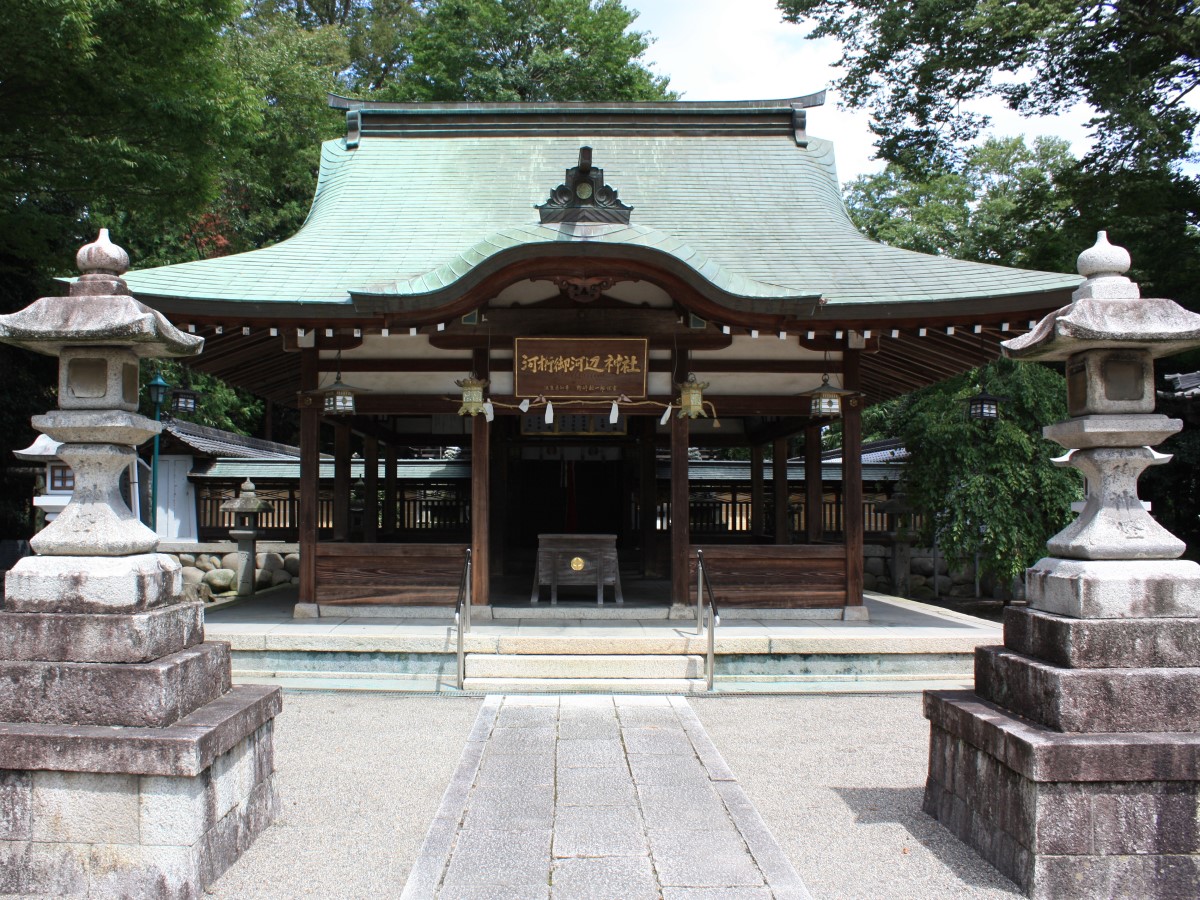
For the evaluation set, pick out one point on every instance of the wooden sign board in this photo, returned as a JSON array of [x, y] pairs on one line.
[[580, 368]]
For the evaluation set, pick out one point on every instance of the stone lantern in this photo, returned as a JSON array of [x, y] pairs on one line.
[[1074, 768], [246, 508], [127, 761]]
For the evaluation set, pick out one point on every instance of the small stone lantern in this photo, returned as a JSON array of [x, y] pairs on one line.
[[245, 508]]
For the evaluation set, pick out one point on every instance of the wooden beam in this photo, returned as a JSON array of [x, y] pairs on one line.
[[757, 494], [389, 489], [852, 486], [680, 510], [370, 490], [814, 490], [310, 470], [341, 482], [480, 509], [779, 487], [647, 492]]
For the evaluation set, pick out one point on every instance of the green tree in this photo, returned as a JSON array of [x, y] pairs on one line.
[[519, 50], [1004, 203], [988, 488], [918, 65], [105, 104], [218, 404]]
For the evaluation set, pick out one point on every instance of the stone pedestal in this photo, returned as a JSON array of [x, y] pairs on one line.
[[129, 766], [1074, 767]]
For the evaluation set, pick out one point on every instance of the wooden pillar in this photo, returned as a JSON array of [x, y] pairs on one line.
[[680, 511], [779, 486], [480, 508], [370, 490], [389, 490], [481, 492], [310, 475], [814, 488], [757, 495], [648, 490], [341, 482], [852, 516]]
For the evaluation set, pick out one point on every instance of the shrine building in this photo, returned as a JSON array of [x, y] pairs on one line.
[[576, 295]]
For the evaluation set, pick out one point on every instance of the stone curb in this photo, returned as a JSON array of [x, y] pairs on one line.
[[426, 873]]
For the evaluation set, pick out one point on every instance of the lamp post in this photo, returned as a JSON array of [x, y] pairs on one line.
[[157, 390]]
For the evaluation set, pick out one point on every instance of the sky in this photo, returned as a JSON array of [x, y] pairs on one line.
[[743, 50]]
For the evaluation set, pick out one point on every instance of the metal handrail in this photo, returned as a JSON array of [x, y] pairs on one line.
[[703, 589], [462, 614]]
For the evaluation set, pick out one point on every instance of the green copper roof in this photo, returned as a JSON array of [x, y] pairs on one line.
[[410, 214]]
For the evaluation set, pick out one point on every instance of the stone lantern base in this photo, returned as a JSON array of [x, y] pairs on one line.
[[1074, 767], [128, 764]]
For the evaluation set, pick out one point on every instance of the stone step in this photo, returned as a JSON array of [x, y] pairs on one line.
[[586, 685], [598, 666]]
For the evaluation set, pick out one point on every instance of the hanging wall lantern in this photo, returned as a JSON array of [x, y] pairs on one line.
[[984, 407], [826, 401], [339, 396], [472, 395], [184, 401], [691, 398]]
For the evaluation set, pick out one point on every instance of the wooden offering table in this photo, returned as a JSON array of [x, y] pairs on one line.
[[577, 559]]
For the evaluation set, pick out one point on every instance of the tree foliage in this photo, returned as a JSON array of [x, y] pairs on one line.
[[918, 65], [1005, 203], [527, 50], [988, 488], [218, 405]]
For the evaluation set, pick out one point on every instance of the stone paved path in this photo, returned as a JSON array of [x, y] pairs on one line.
[[597, 798]]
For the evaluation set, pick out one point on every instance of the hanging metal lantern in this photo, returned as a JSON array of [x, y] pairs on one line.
[[339, 396], [826, 401], [472, 395], [984, 407], [691, 398], [184, 401]]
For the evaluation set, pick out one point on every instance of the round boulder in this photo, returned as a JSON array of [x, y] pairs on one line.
[[874, 565], [192, 575], [230, 561], [187, 559], [221, 580], [280, 576], [271, 562], [291, 563], [262, 579]]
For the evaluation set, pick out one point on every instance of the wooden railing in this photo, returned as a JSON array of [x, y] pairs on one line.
[[413, 574], [722, 516], [766, 575]]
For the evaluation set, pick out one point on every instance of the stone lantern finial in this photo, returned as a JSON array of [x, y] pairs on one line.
[[102, 257], [1104, 266]]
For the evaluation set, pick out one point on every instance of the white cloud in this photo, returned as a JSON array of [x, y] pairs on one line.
[[743, 50]]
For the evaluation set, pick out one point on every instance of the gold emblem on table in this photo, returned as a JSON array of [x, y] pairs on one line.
[[577, 564]]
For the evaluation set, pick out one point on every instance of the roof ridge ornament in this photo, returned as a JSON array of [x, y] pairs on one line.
[[584, 197]]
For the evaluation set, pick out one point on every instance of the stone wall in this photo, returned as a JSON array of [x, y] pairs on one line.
[[210, 570], [929, 575]]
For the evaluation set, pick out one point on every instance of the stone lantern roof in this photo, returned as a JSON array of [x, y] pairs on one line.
[[1108, 311]]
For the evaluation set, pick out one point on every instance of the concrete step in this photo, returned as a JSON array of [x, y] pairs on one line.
[[586, 685], [597, 666]]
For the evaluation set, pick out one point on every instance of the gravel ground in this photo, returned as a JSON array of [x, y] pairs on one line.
[[360, 778], [839, 780]]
